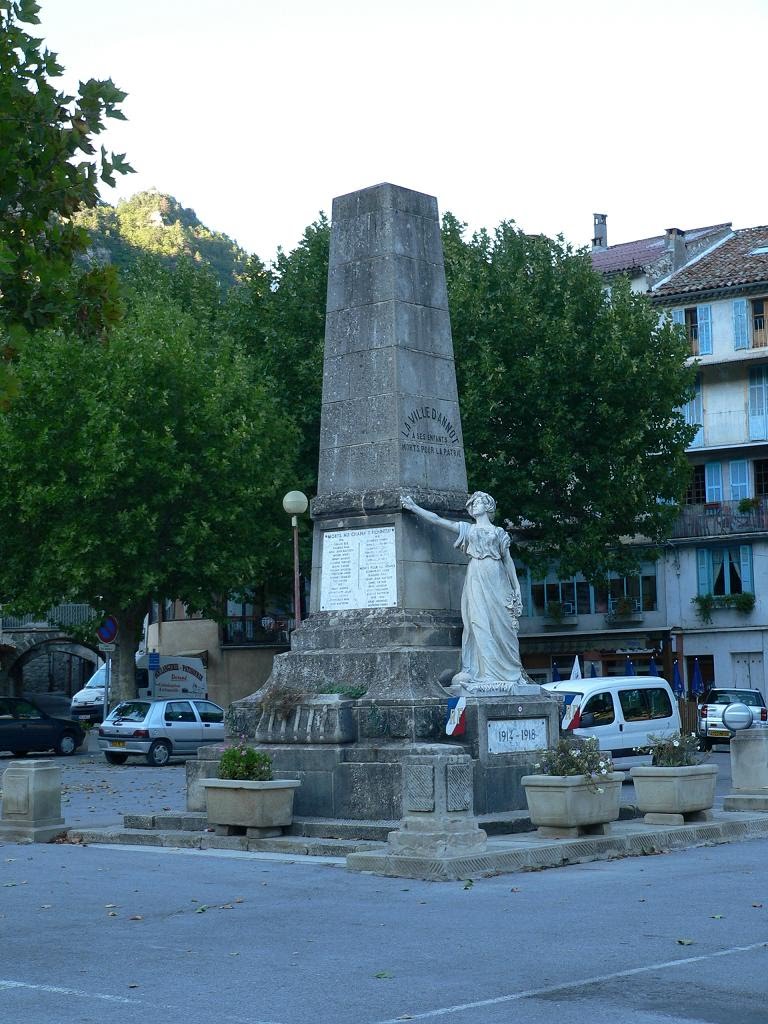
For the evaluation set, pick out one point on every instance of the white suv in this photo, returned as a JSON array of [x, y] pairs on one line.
[[710, 725]]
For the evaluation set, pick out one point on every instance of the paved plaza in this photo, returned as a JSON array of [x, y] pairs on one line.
[[217, 936]]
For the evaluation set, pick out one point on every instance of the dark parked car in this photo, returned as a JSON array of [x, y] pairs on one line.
[[25, 727]]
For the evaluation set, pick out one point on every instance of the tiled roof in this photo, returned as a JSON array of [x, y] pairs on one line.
[[730, 265], [631, 255]]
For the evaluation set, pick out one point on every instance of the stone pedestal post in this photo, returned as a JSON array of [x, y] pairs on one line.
[[439, 835], [749, 771], [31, 802]]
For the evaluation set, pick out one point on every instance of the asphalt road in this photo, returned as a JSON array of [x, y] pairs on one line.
[[92, 932], [125, 934]]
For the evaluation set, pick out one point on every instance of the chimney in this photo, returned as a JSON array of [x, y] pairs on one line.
[[674, 244], [600, 237]]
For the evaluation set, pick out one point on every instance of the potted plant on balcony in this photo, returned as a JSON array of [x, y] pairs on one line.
[[676, 787], [245, 798], [747, 505], [576, 791]]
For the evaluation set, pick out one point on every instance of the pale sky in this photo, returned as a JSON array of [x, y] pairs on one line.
[[256, 113]]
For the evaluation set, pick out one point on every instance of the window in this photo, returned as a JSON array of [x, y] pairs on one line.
[[698, 326], [26, 710], [600, 706], [739, 474], [723, 571], [576, 595], [694, 413], [638, 705], [759, 335], [179, 711], [208, 711], [761, 478], [697, 489]]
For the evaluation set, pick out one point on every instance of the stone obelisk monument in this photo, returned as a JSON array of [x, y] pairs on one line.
[[385, 600], [386, 588]]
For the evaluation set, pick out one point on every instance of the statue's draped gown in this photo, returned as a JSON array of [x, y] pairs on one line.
[[489, 646]]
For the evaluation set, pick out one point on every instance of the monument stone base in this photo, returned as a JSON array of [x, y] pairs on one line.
[[360, 778]]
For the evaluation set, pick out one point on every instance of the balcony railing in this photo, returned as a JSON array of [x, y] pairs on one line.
[[60, 615], [720, 518]]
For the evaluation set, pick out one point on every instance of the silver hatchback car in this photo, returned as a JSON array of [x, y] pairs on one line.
[[160, 729]]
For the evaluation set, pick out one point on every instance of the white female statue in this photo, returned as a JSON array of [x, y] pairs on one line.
[[490, 602]]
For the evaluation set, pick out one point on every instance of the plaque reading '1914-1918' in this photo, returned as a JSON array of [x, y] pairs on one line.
[[358, 569], [507, 736]]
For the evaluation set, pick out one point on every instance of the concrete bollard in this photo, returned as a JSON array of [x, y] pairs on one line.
[[31, 802], [749, 771]]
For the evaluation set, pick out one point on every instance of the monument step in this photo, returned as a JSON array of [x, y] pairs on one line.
[[303, 846]]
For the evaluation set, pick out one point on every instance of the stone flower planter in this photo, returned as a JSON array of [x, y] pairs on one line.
[[258, 809], [563, 806], [673, 796]]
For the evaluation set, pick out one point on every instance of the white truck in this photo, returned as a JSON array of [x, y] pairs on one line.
[[176, 675]]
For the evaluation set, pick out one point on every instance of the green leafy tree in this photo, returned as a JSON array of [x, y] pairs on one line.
[[279, 314], [48, 169], [143, 468], [570, 398]]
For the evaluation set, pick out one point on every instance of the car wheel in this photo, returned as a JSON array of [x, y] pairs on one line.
[[20, 753], [67, 744], [115, 758], [159, 753]]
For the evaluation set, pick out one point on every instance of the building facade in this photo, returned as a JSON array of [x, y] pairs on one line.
[[705, 600]]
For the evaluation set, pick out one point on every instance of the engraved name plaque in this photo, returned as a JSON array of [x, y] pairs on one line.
[[358, 569]]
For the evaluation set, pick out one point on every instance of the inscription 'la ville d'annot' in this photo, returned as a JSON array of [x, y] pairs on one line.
[[426, 429]]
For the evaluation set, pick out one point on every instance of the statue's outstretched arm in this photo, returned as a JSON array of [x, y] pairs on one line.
[[431, 517]]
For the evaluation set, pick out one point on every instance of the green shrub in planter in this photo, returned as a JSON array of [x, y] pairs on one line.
[[243, 763]]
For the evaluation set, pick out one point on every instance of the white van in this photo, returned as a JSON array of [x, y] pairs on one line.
[[621, 712], [88, 703]]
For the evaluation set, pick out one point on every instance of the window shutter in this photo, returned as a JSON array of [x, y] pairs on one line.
[[704, 320], [713, 477], [704, 571], [745, 557], [695, 413], [739, 480], [740, 328], [757, 404], [678, 316]]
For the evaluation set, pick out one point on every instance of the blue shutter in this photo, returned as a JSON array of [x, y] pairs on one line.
[[694, 413], [704, 571], [739, 480], [757, 404], [713, 478], [704, 320], [740, 327], [745, 558], [678, 316]]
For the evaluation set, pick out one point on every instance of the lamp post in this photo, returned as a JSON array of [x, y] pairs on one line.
[[295, 504]]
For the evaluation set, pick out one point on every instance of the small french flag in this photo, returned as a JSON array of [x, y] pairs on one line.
[[456, 723]]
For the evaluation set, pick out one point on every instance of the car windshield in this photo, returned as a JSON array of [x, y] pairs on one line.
[[748, 697], [96, 680], [131, 711]]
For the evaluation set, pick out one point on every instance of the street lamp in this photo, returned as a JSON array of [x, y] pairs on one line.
[[295, 504]]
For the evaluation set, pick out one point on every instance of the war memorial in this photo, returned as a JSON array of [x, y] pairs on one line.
[[412, 603]]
